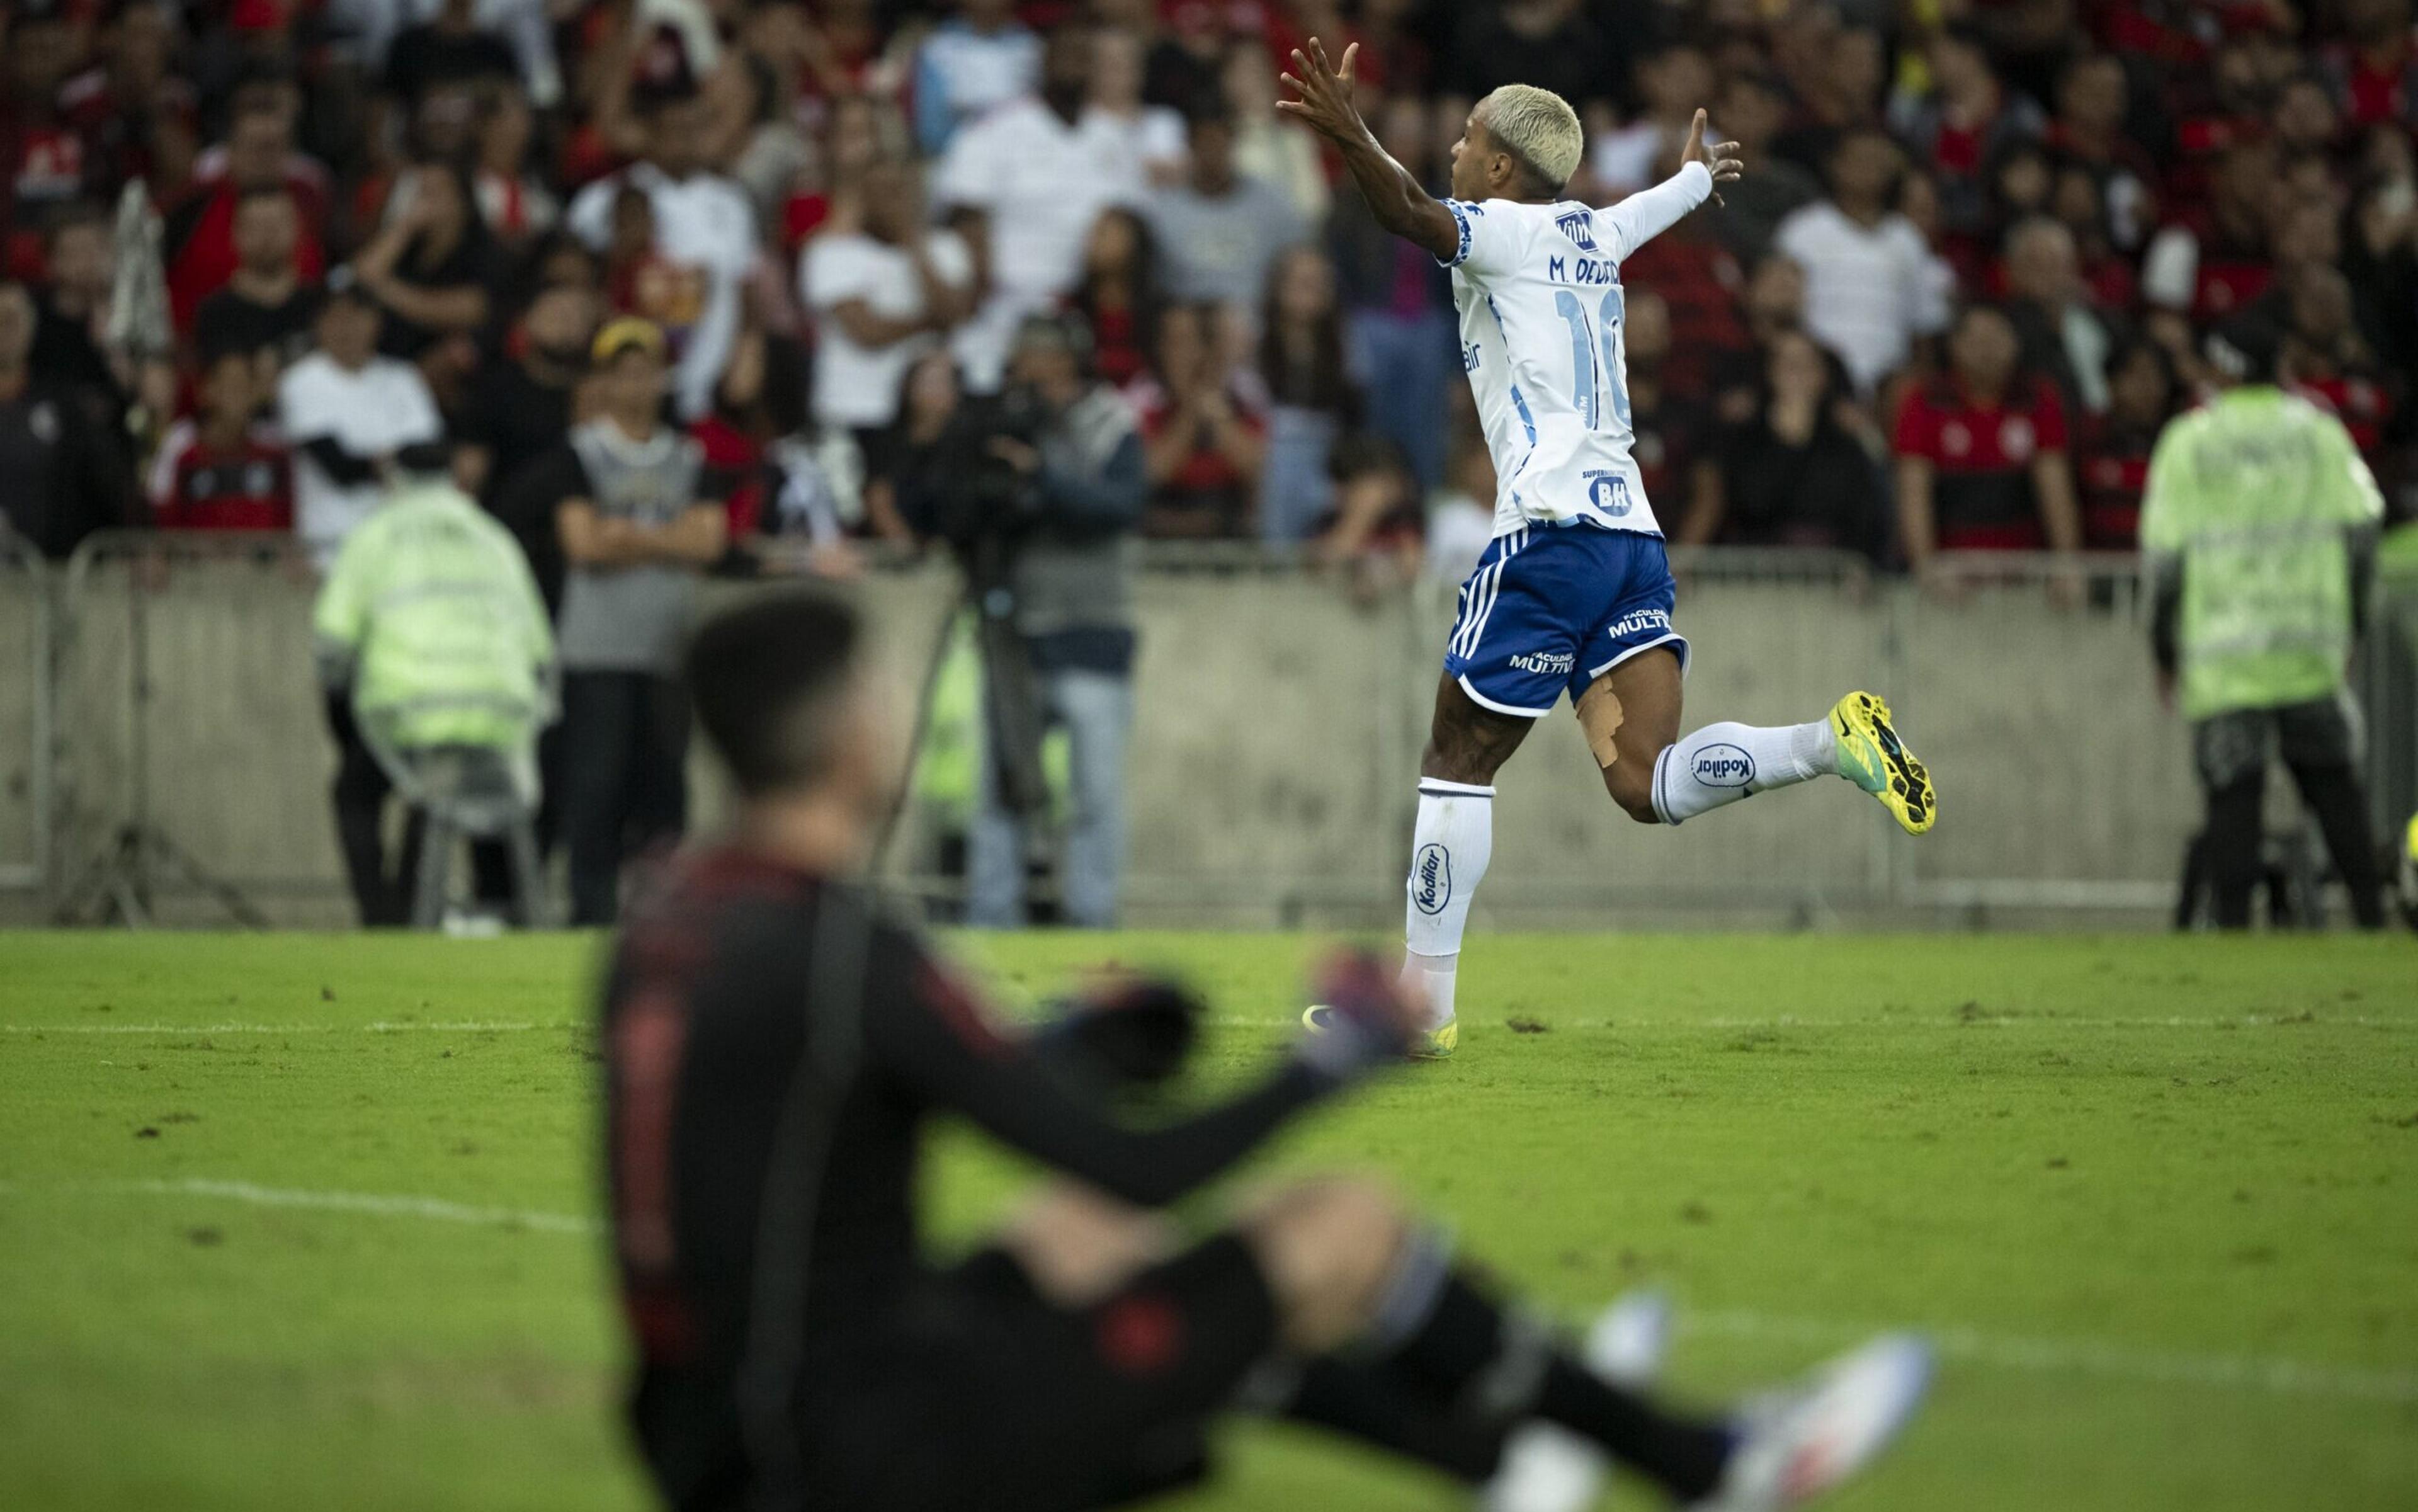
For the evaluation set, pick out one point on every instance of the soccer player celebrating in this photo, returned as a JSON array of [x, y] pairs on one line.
[[775, 1050], [1575, 593]]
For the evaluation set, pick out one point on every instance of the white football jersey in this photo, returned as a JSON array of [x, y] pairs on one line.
[[1543, 338]]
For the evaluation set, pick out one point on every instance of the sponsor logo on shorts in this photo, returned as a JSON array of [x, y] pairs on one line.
[[1432, 878], [1638, 621], [1545, 664], [1724, 766]]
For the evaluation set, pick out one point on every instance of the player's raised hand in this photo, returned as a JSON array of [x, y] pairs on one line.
[[1721, 157], [1326, 103]]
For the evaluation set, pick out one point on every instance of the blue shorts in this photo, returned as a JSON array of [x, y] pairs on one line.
[[1553, 607]]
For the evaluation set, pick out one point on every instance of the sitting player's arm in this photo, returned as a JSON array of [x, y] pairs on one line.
[[1395, 196], [1649, 212], [930, 1033]]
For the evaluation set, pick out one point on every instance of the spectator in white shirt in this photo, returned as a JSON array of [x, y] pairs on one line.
[[1154, 134], [705, 235], [1025, 183], [1871, 288], [347, 411], [977, 60], [884, 288]]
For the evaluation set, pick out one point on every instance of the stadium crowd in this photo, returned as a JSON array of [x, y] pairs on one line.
[[737, 286]]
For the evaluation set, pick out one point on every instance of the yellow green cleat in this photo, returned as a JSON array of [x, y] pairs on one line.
[[1434, 1045], [1872, 758]]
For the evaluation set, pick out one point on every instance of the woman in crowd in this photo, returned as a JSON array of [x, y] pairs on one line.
[[430, 266], [1205, 443], [1118, 296], [1311, 399], [1791, 475], [901, 475]]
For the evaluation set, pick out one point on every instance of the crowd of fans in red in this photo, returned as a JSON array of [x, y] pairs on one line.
[[1964, 283]]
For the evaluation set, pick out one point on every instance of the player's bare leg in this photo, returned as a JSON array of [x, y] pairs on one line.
[[1078, 1245]]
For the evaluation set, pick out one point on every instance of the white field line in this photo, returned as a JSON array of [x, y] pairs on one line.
[[2048, 1356], [2241, 1372], [1228, 1021], [378, 1204], [380, 1027], [2007, 1021]]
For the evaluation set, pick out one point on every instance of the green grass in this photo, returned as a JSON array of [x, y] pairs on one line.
[[2158, 1196]]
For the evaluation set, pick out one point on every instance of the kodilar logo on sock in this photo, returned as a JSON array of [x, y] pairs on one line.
[[1432, 878], [1724, 766]]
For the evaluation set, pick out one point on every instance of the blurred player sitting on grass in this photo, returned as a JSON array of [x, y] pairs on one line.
[[775, 1051], [1574, 595]]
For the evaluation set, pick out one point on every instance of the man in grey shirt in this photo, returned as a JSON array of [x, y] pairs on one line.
[[1218, 232], [635, 536]]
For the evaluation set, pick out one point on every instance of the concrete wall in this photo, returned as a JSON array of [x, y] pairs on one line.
[[1278, 731]]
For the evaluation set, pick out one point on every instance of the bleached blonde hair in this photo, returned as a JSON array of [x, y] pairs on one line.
[[1536, 126]]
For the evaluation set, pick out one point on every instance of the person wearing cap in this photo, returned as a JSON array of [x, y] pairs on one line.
[[430, 629], [624, 490], [345, 411], [2259, 526]]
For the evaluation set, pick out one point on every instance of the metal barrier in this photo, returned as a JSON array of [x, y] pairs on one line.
[[1271, 778], [191, 722], [28, 686]]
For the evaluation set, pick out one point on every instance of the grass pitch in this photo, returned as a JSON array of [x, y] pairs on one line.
[[305, 1221]]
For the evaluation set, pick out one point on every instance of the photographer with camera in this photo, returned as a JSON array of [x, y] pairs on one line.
[[1038, 492]]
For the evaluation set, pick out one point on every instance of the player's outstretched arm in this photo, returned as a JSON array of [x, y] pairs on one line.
[[1400, 204], [1649, 213]]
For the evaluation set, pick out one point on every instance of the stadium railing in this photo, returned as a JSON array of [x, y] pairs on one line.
[[192, 734], [1281, 707], [28, 688]]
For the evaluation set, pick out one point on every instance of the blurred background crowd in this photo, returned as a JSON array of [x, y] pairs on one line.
[[709, 286]]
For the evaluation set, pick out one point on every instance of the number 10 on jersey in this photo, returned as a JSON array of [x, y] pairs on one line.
[[1585, 350]]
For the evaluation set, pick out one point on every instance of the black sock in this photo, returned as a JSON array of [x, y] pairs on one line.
[[1488, 1365], [1368, 1403]]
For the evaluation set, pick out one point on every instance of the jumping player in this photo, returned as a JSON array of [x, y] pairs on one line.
[[1575, 593], [777, 1050]]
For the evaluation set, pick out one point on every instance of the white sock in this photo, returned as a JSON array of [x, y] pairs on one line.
[[1722, 763], [1448, 855]]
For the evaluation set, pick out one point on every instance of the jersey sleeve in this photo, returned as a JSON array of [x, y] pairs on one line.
[[1649, 212], [1492, 238], [2351, 486], [928, 1028]]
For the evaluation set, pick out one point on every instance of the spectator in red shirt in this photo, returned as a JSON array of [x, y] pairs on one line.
[[2211, 264], [221, 469], [2111, 462], [2325, 359], [2093, 99], [1980, 452], [259, 154], [1202, 444], [1966, 123], [45, 160], [2378, 72]]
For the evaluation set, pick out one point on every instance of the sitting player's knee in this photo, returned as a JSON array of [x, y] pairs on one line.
[[1326, 1248], [1077, 1246]]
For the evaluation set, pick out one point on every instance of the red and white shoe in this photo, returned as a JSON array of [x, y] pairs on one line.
[[1795, 1446]]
